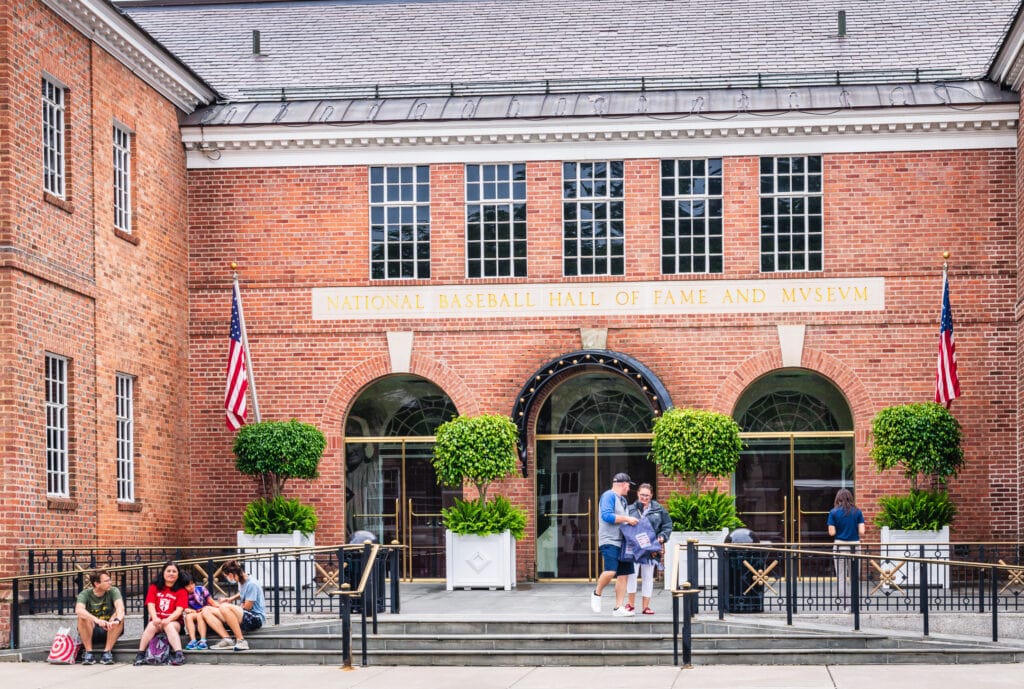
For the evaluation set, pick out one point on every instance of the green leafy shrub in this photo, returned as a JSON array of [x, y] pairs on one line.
[[473, 517], [922, 439], [278, 515], [695, 444], [710, 511], [921, 510], [478, 449], [278, 451]]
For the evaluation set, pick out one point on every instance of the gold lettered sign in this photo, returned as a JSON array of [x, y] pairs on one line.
[[600, 299]]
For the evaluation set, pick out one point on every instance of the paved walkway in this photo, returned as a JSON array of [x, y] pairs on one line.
[[40, 676]]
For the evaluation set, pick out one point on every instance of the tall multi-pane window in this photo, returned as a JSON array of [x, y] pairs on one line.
[[691, 216], [125, 396], [791, 216], [53, 138], [593, 225], [496, 220], [400, 222], [57, 473], [122, 178]]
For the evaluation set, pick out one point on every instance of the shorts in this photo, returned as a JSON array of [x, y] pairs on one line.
[[99, 636], [612, 563], [250, 621]]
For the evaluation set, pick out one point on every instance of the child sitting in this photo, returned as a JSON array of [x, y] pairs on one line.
[[198, 599]]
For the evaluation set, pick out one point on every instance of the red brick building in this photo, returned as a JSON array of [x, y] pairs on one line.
[[424, 227]]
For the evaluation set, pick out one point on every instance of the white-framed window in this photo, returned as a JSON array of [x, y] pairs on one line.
[[691, 216], [400, 222], [593, 218], [57, 474], [791, 214], [125, 437], [122, 178], [496, 220], [53, 138]]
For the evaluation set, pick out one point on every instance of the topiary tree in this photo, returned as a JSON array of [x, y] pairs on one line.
[[695, 444], [922, 439], [479, 449], [278, 451]]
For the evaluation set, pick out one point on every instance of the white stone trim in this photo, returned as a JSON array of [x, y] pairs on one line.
[[852, 131], [100, 22], [594, 338], [400, 350], [791, 344]]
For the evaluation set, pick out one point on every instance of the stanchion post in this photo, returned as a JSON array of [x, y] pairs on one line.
[[922, 570], [277, 588], [675, 629], [346, 629], [393, 562], [855, 590], [15, 621], [995, 604]]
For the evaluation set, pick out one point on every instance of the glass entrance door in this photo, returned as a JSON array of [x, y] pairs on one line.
[[572, 473]]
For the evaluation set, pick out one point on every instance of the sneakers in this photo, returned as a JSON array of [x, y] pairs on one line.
[[192, 646], [223, 644], [140, 658], [177, 658], [201, 645], [595, 602], [88, 658], [107, 658], [622, 612], [242, 645]]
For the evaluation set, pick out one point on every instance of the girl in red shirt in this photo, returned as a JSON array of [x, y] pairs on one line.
[[166, 600]]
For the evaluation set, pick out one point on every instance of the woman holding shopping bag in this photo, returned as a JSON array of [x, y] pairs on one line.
[[647, 506]]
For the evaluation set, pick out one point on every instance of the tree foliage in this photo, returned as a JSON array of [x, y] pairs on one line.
[[479, 449], [278, 451], [695, 444], [922, 439]]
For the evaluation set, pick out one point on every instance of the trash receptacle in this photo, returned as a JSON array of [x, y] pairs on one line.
[[354, 572], [743, 595]]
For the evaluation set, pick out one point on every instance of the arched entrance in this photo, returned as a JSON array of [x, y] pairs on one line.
[[798, 430], [390, 486], [593, 422]]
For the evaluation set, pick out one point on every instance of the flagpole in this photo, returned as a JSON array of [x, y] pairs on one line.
[[245, 344]]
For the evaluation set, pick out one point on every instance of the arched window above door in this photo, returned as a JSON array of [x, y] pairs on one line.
[[399, 406], [793, 401]]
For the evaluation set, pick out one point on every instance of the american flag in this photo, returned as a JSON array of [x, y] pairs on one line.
[[238, 381], [947, 385]]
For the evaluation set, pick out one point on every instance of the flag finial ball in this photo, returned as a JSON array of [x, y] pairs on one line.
[[945, 255], [234, 266]]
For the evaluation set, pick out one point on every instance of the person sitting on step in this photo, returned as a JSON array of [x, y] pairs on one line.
[[195, 624], [100, 612], [247, 615]]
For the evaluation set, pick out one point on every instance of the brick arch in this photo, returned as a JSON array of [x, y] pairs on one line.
[[848, 383], [356, 379]]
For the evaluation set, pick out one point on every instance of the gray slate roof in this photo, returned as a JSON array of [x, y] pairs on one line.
[[328, 44]]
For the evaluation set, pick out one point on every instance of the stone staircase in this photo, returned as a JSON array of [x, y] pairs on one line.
[[405, 640]]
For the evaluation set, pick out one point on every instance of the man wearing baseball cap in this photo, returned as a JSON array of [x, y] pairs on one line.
[[609, 540]]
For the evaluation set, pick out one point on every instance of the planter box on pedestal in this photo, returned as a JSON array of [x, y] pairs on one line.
[[480, 562], [263, 568], [707, 560], [898, 543]]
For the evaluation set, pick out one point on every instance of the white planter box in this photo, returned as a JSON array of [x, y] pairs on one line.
[[898, 543], [263, 568], [480, 562], [707, 562]]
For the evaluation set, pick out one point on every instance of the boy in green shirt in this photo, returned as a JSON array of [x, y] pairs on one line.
[[100, 612]]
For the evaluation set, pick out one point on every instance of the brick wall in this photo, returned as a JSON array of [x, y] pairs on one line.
[[69, 285], [888, 214]]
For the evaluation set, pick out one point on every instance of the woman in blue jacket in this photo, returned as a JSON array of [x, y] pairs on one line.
[[647, 506]]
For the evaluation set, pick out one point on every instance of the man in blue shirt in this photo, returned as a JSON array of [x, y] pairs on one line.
[[612, 513]]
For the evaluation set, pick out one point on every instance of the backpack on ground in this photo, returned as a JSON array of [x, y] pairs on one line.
[[158, 652], [64, 648]]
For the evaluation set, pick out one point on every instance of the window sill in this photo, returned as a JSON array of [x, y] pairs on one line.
[[126, 236], [57, 201], [129, 506], [61, 504]]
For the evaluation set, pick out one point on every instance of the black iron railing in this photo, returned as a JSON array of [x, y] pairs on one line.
[[872, 577], [295, 580]]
